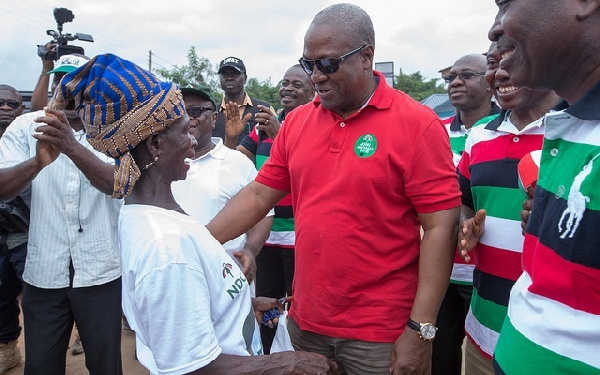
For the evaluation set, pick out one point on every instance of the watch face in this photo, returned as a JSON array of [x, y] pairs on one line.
[[428, 331]]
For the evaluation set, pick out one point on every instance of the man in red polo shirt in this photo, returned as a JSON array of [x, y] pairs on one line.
[[366, 166]]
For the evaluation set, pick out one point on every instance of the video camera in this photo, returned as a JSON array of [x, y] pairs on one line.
[[62, 15]]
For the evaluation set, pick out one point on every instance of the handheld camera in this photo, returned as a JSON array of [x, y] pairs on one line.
[[62, 16]]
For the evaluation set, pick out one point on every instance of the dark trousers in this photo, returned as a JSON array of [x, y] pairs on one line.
[[274, 276], [447, 346], [12, 264], [48, 318]]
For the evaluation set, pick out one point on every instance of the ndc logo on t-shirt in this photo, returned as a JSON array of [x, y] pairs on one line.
[[227, 267], [238, 283]]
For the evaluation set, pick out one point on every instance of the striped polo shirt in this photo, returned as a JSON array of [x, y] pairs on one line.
[[462, 272], [553, 322], [282, 233], [488, 180]]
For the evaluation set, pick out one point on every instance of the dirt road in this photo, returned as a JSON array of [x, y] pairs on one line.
[[76, 363]]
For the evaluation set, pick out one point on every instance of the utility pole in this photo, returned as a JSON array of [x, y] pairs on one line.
[[150, 60]]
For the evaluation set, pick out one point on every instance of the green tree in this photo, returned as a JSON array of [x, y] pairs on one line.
[[416, 86], [198, 70], [264, 91]]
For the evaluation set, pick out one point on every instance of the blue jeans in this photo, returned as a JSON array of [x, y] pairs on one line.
[[12, 264]]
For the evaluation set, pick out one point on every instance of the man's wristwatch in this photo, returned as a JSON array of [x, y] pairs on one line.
[[426, 330]]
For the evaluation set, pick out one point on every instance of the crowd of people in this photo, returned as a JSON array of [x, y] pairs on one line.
[[389, 233]]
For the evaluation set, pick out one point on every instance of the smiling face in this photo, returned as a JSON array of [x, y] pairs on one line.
[[295, 89], [511, 97], [542, 50], [201, 127], [506, 93], [176, 145], [347, 89]]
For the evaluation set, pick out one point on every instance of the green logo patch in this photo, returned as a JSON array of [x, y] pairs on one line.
[[365, 146]]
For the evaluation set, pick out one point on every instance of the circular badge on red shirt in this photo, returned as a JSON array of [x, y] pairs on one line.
[[365, 146]]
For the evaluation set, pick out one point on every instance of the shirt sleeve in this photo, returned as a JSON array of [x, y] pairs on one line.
[[464, 174], [14, 144], [274, 173], [250, 141], [431, 181]]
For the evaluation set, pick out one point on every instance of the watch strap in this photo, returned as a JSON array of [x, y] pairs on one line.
[[414, 325]]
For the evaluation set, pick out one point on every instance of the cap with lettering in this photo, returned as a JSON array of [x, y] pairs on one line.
[[232, 62], [68, 63]]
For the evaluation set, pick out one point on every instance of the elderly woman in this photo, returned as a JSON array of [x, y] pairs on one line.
[[187, 302]]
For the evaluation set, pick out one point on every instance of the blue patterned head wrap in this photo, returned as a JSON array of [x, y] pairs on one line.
[[121, 105]]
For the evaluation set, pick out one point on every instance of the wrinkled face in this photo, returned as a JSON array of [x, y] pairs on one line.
[[509, 96], [11, 106], [232, 81], [201, 126], [472, 92], [540, 31], [346, 90], [295, 89], [176, 145]]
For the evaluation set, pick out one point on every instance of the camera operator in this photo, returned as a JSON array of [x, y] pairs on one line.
[[14, 223], [54, 50]]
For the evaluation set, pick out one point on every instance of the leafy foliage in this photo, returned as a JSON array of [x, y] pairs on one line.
[[415, 85], [263, 91], [198, 70]]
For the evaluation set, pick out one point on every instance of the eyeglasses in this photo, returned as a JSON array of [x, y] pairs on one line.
[[11, 103], [462, 75], [196, 112], [329, 65]]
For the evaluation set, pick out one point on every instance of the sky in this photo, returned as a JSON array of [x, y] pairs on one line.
[[424, 36]]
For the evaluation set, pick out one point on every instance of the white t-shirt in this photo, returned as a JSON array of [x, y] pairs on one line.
[[182, 295]]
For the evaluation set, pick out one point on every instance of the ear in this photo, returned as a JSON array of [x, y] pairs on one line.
[[153, 144], [214, 118], [368, 54], [587, 8]]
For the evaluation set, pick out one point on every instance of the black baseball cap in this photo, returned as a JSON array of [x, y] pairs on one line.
[[233, 62]]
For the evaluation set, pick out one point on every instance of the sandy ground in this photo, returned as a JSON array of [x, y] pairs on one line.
[[76, 363]]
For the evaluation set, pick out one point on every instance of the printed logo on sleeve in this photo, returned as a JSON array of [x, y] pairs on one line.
[[237, 284], [227, 267], [365, 146]]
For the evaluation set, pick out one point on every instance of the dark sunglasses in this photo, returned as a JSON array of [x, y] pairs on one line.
[[329, 65], [196, 112], [11, 103], [463, 76]]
